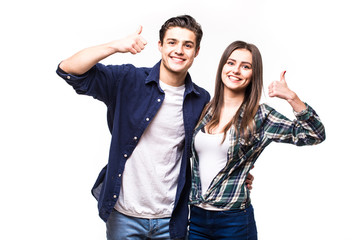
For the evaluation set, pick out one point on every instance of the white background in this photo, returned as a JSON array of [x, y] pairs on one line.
[[54, 142]]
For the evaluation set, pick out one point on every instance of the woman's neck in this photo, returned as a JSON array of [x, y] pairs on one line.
[[231, 105], [233, 100]]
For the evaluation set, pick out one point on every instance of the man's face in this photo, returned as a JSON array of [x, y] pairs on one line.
[[178, 50]]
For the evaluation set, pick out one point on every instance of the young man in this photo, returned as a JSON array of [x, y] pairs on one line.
[[143, 191]]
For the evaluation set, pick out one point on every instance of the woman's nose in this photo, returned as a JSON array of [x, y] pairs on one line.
[[236, 70]]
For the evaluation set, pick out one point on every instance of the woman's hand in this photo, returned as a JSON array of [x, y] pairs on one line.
[[281, 90]]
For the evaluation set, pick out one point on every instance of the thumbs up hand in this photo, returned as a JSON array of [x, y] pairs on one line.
[[134, 43], [280, 88]]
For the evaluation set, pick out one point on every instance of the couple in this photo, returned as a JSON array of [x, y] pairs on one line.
[[159, 119]]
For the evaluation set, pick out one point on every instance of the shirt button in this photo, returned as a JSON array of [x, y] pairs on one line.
[[147, 119], [119, 174], [135, 138], [125, 155], [159, 100], [68, 77], [115, 196]]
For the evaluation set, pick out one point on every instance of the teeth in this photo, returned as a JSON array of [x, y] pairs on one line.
[[177, 59], [234, 78]]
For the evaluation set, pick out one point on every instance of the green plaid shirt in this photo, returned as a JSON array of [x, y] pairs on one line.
[[228, 190]]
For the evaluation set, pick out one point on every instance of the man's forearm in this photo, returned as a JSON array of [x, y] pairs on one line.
[[83, 61]]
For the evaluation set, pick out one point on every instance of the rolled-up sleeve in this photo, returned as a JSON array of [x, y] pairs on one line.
[[306, 129], [99, 82], [77, 81]]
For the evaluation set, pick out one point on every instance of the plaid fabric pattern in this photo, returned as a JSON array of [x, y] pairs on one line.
[[227, 190]]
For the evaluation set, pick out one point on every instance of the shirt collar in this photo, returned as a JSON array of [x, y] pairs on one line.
[[154, 76]]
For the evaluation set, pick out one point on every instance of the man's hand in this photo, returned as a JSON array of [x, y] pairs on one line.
[[249, 180], [134, 43]]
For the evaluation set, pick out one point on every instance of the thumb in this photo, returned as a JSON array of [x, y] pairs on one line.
[[282, 76], [139, 30]]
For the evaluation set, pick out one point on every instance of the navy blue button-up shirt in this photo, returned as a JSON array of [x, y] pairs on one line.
[[133, 97]]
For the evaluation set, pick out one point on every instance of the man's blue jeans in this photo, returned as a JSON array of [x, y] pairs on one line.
[[233, 224], [122, 227]]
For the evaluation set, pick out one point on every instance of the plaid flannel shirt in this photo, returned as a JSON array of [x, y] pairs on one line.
[[228, 190]]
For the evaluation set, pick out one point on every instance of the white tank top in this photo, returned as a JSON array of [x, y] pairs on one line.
[[212, 159]]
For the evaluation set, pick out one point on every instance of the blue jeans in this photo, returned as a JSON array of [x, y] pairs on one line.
[[121, 227], [233, 224]]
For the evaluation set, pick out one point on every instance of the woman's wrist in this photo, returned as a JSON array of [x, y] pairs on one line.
[[295, 102]]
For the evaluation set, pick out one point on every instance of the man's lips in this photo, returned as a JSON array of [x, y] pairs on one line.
[[177, 59]]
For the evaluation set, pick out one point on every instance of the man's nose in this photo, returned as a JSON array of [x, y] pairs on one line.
[[179, 49]]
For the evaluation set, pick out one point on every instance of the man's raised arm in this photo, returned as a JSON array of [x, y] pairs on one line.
[[83, 61]]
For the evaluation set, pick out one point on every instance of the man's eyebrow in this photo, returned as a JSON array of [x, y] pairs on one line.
[[176, 40], [189, 41]]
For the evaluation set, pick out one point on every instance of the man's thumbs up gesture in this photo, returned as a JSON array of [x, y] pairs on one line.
[[134, 43]]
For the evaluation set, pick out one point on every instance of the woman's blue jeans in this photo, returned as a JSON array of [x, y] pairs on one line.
[[233, 224]]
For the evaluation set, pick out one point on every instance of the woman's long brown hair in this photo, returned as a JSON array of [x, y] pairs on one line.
[[252, 93]]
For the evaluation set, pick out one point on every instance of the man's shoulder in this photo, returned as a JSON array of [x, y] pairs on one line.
[[129, 71], [126, 66]]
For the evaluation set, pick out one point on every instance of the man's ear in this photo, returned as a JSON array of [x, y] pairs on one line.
[[197, 52], [160, 46]]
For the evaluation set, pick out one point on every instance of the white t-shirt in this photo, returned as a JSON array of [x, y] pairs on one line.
[[212, 155], [150, 177]]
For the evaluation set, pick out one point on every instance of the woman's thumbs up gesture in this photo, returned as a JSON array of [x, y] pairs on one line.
[[281, 90]]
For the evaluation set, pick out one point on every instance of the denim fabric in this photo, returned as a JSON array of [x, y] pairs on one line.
[[122, 227], [232, 224]]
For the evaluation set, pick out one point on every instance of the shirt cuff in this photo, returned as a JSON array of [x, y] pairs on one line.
[[70, 77], [304, 114]]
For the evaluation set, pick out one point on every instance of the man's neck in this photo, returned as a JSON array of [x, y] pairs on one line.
[[172, 78]]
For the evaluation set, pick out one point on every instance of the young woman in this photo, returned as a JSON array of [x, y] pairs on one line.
[[232, 132]]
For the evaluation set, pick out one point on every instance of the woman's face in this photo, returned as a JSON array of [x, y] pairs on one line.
[[237, 71]]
